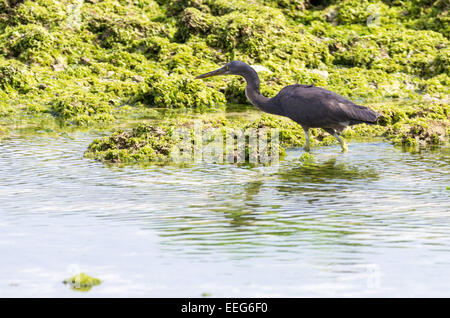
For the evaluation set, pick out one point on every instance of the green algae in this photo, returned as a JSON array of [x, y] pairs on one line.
[[3, 132], [81, 109], [426, 14], [27, 43], [148, 143], [177, 92], [89, 63], [413, 124], [144, 143], [409, 124], [306, 157], [416, 52], [82, 282], [15, 75]]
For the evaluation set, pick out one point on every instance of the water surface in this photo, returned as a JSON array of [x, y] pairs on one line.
[[372, 222]]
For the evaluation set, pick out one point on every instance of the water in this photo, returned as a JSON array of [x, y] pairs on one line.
[[372, 222]]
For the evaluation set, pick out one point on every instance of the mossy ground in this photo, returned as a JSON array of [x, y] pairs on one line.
[[98, 63]]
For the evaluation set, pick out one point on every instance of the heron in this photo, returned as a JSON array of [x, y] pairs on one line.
[[308, 105]]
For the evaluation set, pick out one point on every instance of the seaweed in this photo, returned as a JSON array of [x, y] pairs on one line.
[[99, 62], [170, 91]]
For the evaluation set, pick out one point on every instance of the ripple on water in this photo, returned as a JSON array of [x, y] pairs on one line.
[[338, 209]]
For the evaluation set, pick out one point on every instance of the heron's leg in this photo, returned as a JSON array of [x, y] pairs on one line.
[[341, 141], [307, 142], [338, 138]]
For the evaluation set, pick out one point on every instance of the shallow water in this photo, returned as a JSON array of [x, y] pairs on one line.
[[372, 222]]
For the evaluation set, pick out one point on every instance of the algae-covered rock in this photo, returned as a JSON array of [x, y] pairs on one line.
[[163, 143], [145, 143], [421, 133], [258, 31], [407, 51], [81, 61], [171, 91], [81, 109], [360, 11], [45, 12], [82, 282], [15, 75], [291, 134], [193, 21], [426, 14], [120, 24], [416, 124], [28, 43], [441, 62]]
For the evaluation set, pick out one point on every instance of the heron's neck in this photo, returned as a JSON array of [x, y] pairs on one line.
[[254, 96]]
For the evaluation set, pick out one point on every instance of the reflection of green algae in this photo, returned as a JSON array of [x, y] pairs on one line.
[[324, 172], [82, 282]]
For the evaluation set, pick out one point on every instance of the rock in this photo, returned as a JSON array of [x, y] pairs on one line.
[[322, 73], [260, 68], [137, 78], [85, 61], [59, 64]]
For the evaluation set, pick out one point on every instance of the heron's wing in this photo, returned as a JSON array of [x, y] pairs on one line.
[[318, 107], [359, 114]]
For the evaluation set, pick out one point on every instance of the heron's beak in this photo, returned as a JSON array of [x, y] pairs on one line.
[[219, 71]]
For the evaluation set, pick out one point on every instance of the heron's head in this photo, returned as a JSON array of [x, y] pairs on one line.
[[232, 68]]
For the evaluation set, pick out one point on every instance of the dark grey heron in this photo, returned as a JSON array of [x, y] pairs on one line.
[[307, 105]]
